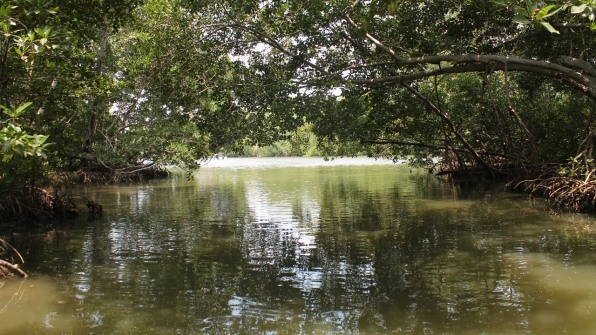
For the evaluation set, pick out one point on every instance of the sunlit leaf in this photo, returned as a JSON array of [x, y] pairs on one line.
[[549, 27], [578, 9], [548, 11]]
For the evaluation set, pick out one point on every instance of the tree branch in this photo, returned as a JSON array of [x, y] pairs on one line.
[[433, 146], [13, 268], [451, 126], [578, 80], [477, 63]]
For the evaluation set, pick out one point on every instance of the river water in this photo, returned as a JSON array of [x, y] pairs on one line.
[[305, 246]]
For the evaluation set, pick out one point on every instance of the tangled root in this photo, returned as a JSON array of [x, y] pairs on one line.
[[569, 193], [35, 204]]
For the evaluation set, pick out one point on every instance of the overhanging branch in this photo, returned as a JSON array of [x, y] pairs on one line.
[[432, 146], [475, 63], [412, 67], [582, 82]]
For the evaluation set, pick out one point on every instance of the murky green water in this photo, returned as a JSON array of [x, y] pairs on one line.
[[301, 246]]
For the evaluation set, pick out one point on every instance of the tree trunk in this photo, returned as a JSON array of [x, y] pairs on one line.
[[99, 104]]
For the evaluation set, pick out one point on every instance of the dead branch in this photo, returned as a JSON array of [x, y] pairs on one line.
[[13, 268]]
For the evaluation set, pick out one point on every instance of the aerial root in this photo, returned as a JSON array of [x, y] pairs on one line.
[[562, 192]]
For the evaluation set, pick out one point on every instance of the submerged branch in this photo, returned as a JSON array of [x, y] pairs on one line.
[[12, 268], [8, 268], [12, 249]]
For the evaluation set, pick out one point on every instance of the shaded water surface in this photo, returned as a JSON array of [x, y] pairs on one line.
[[304, 246]]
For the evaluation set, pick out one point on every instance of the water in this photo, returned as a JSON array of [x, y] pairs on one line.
[[304, 246]]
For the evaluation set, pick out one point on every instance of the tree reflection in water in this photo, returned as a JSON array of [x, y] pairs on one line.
[[338, 249]]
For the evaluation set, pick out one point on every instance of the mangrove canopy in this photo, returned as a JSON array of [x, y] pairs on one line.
[[116, 90]]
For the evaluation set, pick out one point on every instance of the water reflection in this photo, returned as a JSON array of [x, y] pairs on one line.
[[307, 249], [28, 306]]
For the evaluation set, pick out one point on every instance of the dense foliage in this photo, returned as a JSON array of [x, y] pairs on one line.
[[120, 86]]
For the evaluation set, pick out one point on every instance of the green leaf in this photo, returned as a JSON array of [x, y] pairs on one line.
[[18, 149], [522, 19], [17, 112], [4, 11], [22, 108], [41, 139], [530, 6], [6, 145], [550, 28], [548, 11]]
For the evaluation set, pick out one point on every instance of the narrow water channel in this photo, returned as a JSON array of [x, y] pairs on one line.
[[304, 246]]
